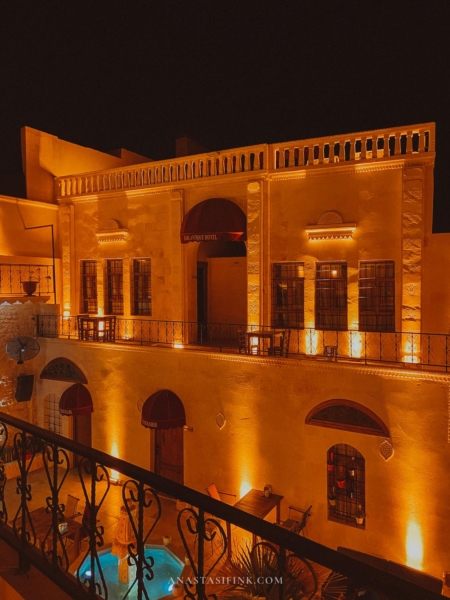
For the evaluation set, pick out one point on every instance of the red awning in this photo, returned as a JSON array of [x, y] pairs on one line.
[[76, 400], [216, 219], [163, 410]]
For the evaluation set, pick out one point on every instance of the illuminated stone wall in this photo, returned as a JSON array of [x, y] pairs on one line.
[[266, 440]]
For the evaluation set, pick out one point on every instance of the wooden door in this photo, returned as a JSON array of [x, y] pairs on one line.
[[169, 459], [82, 432]]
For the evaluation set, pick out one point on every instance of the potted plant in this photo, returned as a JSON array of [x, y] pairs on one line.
[[359, 517], [332, 497], [29, 287], [258, 569]]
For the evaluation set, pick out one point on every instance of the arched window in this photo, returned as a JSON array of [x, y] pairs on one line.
[[346, 486]]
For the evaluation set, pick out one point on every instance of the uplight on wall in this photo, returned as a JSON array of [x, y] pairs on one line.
[[414, 546], [312, 338], [354, 344]]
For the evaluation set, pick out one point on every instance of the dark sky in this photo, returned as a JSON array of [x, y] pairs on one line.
[[138, 74]]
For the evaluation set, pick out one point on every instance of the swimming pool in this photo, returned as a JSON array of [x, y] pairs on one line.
[[166, 569]]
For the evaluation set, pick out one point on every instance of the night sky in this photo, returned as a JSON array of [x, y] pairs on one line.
[[138, 74]]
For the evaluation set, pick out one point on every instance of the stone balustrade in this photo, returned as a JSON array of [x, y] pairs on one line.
[[348, 148]]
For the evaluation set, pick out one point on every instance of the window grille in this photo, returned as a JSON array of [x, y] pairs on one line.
[[346, 484], [141, 288], [114, 287], [331, 296], [288, 295], [52, 416], [88, 287], [377, 295]]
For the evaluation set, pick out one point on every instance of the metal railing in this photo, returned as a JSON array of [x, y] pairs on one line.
[[199, 525], [422, 350], [397, 142], [26, 280]]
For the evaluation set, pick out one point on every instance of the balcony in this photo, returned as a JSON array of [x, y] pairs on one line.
[[430, 351], [133, 518], [26, 282], [327, 152]]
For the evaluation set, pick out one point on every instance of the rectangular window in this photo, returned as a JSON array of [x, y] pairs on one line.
[[114, 287], [88, 287], [288, 295], [377, 295], [331, 296], [141, 287]]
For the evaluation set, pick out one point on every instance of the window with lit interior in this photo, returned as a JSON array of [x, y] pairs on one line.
[[377, 295], [288, 294], [331, 296], [114, 287], [141, 289], [88, 286], [346, 483]]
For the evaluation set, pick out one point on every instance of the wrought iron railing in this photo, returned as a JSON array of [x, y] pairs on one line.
[[200, 528], [424, 350], [25, 279]]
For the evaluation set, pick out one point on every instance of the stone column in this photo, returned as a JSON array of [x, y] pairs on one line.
[[412, 239], [68, 288], [254, 253], [178, 300]]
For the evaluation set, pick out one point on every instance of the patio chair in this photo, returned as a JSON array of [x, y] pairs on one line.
[[213, 492], [296, 521], [283, 348], [242, 341], [71, 506]]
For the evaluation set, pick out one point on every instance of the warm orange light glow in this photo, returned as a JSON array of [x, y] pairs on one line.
[[66, 313], [414, 546], [312, 338], [411, 348], [244, 488], [114, 475], [354, 344], [178, 345], [254, 345]]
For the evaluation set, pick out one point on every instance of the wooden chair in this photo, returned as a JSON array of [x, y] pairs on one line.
[[71, 506], [242, 341], [296, 521], [283, 348], [213, 492]]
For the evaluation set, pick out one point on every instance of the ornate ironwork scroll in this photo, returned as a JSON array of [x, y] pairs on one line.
[[25, 447], [54, 459], [144, 497], [96, 473], [3, 441], [202, 530]]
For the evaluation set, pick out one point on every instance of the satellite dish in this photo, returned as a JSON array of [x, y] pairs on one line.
[[22, 348]]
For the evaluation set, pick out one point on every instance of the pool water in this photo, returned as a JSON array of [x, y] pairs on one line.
[[166, 569]]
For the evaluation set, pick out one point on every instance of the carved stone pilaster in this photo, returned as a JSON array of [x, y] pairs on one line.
[[253, 253], [66, 220], [177, 284], [412, 239]]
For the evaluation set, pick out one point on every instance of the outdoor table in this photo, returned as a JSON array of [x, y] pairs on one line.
[[42, 523], [263, 334], [257, 504]]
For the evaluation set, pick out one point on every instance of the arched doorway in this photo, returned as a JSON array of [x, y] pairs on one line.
[[219, 226], [164, 412], [76, 401]]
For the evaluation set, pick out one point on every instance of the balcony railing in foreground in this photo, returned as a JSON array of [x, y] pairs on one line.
[[283, 558], [423, 350]]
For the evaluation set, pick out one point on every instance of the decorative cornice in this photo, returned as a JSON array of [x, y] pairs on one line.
[[330, 232], [299, 362]]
